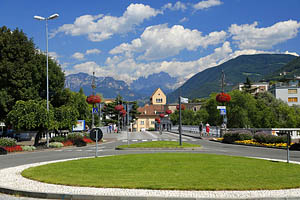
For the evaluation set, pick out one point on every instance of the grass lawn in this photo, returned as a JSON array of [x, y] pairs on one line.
[[160, 144], [180, 171]]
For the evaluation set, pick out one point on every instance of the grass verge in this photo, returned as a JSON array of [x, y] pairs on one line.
[[180, 171], [159, 144]]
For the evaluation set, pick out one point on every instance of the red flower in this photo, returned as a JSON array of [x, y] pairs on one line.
[[119, 107], [87, 140], [223, 97], [182, 107], [13, 148], [161, 115], [93, 99], [67, 143], [168, 112]]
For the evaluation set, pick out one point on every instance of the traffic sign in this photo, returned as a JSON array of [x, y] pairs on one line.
[[96, 132], [221, 107], [223, 111], [95, 110]]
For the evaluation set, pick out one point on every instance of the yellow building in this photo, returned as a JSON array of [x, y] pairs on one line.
[[146, 119]]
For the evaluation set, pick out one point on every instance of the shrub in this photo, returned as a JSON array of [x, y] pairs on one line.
[[233, 136], [295, 146], [79, 142], [58, 139], [56, 145], [7, 142], [151, 129], [74, 136], [28, 148], [3, 151], [263, 137]]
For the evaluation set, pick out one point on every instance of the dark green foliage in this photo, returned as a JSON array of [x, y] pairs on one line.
[[295, 146], [3, 151], [58, 139], [233, 136], [74, 136], [23, 71], [267, 138], [79, 142], [7, 142], [236, 70]]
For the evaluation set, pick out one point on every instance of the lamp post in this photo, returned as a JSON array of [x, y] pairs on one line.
[[46, 19]]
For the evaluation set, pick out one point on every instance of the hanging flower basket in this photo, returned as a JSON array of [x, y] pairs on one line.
[[168, 112], [123, 113], [119, 107], [93, 99], [182, 107], [223, 97], [161, 115]]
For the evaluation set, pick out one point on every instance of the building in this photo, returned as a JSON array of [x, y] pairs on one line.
[[256, 87], [287, 92], [148, 113]]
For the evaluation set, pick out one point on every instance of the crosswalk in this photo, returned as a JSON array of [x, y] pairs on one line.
[[154, 140]]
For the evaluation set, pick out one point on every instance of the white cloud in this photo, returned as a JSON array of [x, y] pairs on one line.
[[250, 37], [206, 4], [78, 56], [177, 6], [100, 27], [183, 20], [54, 56], [160, 41], [92, 51]]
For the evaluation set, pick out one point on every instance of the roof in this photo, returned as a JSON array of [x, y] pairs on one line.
[[150, 109], [156, 91]]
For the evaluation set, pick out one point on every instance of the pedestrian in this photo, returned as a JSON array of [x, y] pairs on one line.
[[110, 128], [200, 128], [207, 127]]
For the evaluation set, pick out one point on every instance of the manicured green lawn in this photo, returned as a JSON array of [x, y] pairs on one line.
[[181, 171], [160, 144]]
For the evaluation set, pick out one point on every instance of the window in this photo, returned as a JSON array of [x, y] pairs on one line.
[[158, 100], [292, 91], [152, 122], [292, 99], [142, 122]]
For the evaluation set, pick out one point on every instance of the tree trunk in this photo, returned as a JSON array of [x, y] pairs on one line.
[[37, 137]]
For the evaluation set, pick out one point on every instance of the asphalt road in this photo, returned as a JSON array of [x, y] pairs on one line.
[[113, 140]]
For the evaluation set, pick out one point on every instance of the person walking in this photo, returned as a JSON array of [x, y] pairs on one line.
[[200, 128], [207, 127]]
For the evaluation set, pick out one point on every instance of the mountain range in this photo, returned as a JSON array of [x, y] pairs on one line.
[[139, 89], [257, 67]]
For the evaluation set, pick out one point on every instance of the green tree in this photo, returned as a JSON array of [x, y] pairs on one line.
[[23, 71], [32, 115]]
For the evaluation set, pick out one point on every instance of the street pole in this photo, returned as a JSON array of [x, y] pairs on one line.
[[46, 19], [180, 136]]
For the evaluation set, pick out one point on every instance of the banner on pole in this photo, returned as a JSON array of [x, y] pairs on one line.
[[184, 100]]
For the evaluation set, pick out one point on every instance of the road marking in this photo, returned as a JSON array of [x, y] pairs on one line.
[[144, 140]]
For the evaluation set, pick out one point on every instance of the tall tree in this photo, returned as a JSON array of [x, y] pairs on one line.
[[23, 71]]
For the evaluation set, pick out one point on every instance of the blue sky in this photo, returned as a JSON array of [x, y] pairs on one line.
[[129, 39]]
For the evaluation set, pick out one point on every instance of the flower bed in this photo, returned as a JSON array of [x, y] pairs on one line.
[[13, 148], [253, 142]]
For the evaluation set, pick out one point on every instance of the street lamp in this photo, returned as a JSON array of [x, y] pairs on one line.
[[46, 19]]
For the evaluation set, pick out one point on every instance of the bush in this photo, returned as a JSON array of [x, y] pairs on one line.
[[295, 146], [56, 145], [79, 142], [151, 129], [8, 142], [58, 139], [263, 137], [74, 136], [233, 136], [28, 148], [3, 151]]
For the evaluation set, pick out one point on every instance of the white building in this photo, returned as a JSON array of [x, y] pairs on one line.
[[289, 93], [257, 87]]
